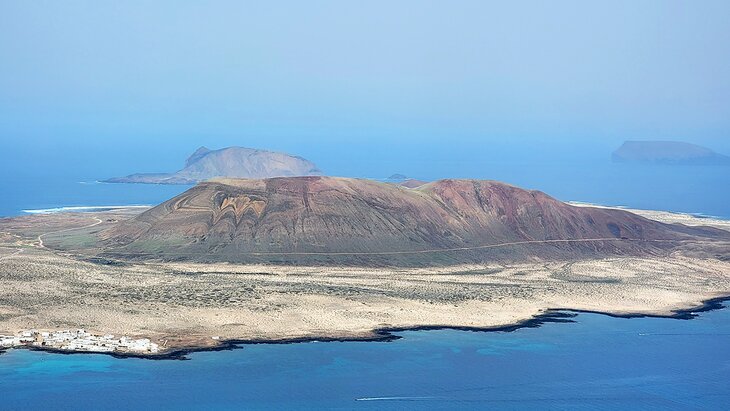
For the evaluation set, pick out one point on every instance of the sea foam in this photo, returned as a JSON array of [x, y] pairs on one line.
[[81, 209]]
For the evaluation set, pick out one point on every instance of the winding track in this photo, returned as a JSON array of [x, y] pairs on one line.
[[439, 250], [373, 253], [40, 237]]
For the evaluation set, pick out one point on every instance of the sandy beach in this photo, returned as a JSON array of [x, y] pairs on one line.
[[667, 216]]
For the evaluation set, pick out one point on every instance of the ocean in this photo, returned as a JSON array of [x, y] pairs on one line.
[[689, 189], [598, 362]]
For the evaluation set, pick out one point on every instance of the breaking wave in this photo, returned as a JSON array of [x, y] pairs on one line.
[[81, 209]]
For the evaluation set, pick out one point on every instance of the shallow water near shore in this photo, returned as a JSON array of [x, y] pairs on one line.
[[598, 362]]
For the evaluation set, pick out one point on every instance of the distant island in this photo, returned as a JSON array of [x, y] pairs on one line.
[[667, 153], [397, 178], [239, 162]]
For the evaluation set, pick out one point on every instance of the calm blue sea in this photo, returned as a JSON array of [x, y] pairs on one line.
[[67, 177], [598, 362]]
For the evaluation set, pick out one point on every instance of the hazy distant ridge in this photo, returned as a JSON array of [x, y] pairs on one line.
[[667, 152], [238, 162]]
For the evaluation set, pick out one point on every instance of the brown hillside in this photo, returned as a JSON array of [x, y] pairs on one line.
[[351, 221]]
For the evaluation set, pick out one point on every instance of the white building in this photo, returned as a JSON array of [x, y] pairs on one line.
[[79, 340]]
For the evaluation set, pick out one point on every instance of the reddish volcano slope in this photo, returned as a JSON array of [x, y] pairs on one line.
[[350, 221]]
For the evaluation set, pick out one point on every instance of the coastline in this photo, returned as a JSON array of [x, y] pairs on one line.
[[273, 304], [388, 334], [668, 217], [86, 209]]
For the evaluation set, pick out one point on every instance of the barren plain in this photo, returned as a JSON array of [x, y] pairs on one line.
[[186, 305]]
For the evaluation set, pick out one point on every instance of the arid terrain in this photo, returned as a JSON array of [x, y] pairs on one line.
[[186, 304], [364, 223]]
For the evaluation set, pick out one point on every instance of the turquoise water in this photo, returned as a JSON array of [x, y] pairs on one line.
[[599, 362]]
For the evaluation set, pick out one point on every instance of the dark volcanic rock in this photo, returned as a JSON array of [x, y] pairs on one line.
[[667, 152], [326, 220], [237, 162]]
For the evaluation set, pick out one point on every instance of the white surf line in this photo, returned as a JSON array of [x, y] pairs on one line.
[[40, 237], [686, 214], [397, 398], [81, 209], [594, 205]]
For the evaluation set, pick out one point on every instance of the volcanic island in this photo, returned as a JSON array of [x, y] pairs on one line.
[[323, 258]]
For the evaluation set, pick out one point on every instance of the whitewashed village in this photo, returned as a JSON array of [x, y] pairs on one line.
[[80, 341]]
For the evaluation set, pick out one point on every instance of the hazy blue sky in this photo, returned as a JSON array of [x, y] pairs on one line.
[[323, 78]]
